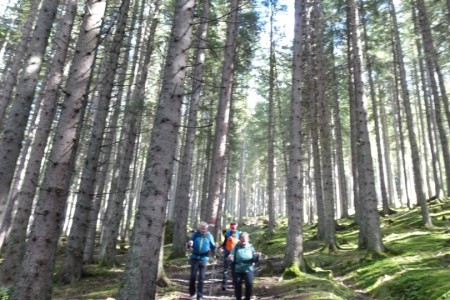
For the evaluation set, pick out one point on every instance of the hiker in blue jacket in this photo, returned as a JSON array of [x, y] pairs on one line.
[[243, 257], [201, 243]]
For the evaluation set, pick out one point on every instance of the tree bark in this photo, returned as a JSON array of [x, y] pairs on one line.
[[14, 129], [271, 130], [35, 278], [294, 240], [142, 265], [373, 98], [431, 58], [222, 119], [10, 78], [73, 261], [324, 120], [181, 211], [366, 183], [15, 244], [417, 170], [128, 137]]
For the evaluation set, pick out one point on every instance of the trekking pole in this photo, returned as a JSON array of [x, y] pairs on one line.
[[213, 272]]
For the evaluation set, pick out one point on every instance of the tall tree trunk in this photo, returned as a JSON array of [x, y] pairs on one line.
[[431, 58], [417, 170], [35, 278], [73, 260], [422, 132], [128, 137], [142, 265], [430, 116], [324, 119], [387, 152], [9, 79], [314, 130], [294, 239], [107, 150], [384, 195], [352, 101], [15, 245], [223, 118], [339, 155], [242, 184], [181, 211], [271, 129], [14, 129], [372, 239], [401, 178]]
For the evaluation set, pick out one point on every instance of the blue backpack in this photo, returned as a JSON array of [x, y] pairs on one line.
[[201, 243]]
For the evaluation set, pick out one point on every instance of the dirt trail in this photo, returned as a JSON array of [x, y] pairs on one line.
[[263, 287], [179, 275]]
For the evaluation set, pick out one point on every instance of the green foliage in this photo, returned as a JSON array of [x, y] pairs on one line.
[[5, 293], [414, 266]]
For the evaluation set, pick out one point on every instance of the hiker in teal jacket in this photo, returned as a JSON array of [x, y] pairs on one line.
[[201, 243], [243, 257]]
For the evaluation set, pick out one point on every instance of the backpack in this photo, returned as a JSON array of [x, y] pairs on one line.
[[202, 244], [231, 239]]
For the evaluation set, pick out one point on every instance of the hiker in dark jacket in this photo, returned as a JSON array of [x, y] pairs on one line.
[[231, 239], [243, 257], [201, 243]]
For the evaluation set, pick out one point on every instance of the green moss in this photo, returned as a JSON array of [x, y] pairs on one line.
[[292, 272]]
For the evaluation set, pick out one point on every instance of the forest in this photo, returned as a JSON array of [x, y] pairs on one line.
[[321, 127]]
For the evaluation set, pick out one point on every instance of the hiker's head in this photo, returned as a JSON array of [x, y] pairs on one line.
[[243, 238], [203, 227], [233, 226]]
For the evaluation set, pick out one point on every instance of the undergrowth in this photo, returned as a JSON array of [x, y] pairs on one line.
[[414, 266]]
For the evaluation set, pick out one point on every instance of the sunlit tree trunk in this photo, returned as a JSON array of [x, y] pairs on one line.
[[15, 245], [373, 96], [242, 185], [338, 144], [134, 110], [207, 168], [121, 170], [314, 131], [352, 101], [73, 260], [294, 239], [434, 69], [181, 209], [417, 170], [13, 131], [35, 278], [9, 79], [271, 129], [368, 200], [223, 118], [143, 259], [323, 121], [430, 117]]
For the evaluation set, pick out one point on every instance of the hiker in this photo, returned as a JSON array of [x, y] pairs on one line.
[[201, 243], [243, 257], [231, 239]]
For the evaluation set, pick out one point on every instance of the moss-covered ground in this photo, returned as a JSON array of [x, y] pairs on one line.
[[415, 265]]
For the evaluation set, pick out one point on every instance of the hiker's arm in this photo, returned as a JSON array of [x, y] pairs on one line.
[[214, 245], [256, 256]]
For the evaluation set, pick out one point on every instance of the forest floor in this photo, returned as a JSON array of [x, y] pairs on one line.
[[265, 287], [415, 266]]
